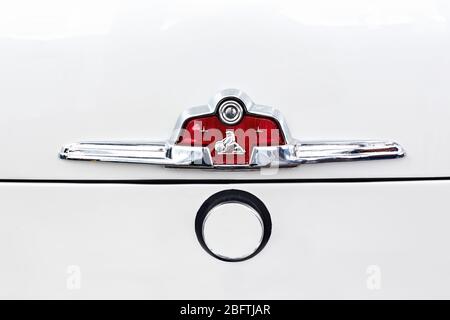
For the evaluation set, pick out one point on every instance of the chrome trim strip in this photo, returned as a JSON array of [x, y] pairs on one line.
[[116, 152], [186, 156], [327, 151], [145, 153]]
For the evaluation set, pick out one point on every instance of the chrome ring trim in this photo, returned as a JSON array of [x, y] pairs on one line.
[[234, 196], [243, 257], [222, 108]]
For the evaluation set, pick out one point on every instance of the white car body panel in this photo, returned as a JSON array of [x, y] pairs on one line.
[[125, 70], [134, 241]]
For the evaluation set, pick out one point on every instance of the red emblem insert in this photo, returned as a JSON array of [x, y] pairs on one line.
[[231, 144]]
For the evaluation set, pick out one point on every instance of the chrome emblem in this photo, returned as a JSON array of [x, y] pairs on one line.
[[228, 145], [232, 132]]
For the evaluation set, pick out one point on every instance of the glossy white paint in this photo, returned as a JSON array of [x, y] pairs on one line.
[[101, 70], [339, 240]]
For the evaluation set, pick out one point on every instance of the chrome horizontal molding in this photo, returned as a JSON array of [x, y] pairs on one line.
[[185, 156], [145, 153], [331, 151], [116, 152]]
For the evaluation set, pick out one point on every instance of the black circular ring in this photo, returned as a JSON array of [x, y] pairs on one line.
[[233, 196]]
